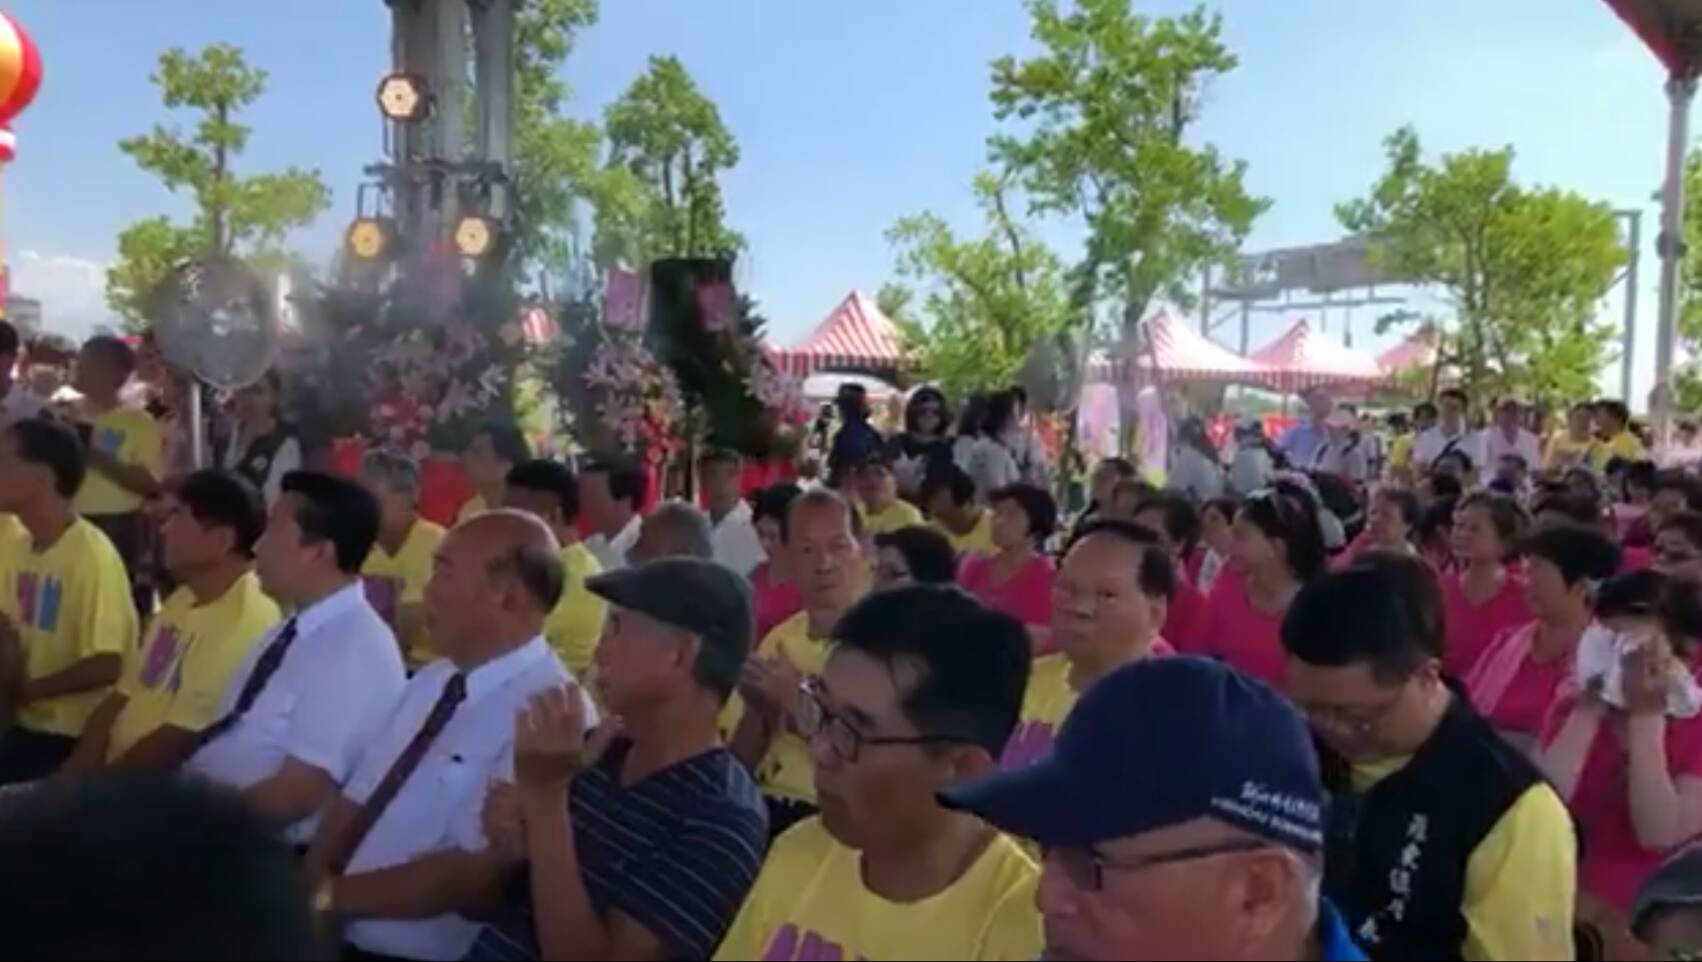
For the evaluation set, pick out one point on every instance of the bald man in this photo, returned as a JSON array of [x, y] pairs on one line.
[[674, 530], [394, 861]]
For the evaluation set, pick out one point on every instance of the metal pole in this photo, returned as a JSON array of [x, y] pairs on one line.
[[197, 425], [1681, 90], [1246, 325], [1634, 252]]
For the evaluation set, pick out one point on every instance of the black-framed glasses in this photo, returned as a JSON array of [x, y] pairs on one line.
[[1086, 868], [816, 720]]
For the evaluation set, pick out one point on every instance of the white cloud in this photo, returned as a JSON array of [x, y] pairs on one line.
[[71, 289]]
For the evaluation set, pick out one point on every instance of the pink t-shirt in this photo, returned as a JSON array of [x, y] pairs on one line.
[[1470, 628], [1186, 619], [1521, 703], [1025, 596], [774, 602], [1237, 632], [1614, 864], [1632, 560]]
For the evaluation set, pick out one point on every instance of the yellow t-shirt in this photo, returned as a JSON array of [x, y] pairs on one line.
[[899, 514], [786, 770], [179, 675], [575, 626], [1521, 881], [133, 437], [1622, 445], [809, 902], [1400, 450], [474, 505], [978, 541], [69, 603], [14, 539], [394, 581], [1044, 707], [1564, 452]]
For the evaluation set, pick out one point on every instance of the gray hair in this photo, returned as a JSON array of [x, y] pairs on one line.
[[396, 470], [684, 531]]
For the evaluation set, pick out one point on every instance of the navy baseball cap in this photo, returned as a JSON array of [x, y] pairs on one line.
[[1157, 743]]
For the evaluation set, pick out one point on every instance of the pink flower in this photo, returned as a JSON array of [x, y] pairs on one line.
[[718, 306]]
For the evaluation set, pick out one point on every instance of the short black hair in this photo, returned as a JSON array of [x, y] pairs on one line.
[[1446, 486], [1580, 509], [549, 477], [1001, 413], [1464, 460], [1642, 474], [1181, 518], [1123, 467], [1506, 515], [9, 341], [1036, 502], [1225, 507], [822, 497], [115, 842], [1686, 523], [720, 456], [1684, 484], [1425, 409], [1614, 408], [924, 395], [1405, 502], [55, 447], [1455, 394], [225, 499], [773, 501], [961, 667], [1156, 573], [951, 479], [335, 509], [114, 351], [1375, 613], [927, 553], [626, 482], [1581, 554], [1288, 513], [508, 441]]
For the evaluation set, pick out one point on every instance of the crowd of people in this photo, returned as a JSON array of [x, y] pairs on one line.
[[1318, 697]]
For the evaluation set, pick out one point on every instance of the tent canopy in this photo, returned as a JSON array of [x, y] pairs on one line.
[[1667, 27], [856, 336], [1418, 350], [1173, 352], [1302, 358]]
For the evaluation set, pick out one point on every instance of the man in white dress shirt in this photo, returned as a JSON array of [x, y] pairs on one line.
[[733, 531], [612, 498], [314, 689], [1451, 435], [1509, 437], [401, 860]]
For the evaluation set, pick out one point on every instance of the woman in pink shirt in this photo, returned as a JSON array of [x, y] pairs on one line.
[[777, 598], [1629, 765], [1389, 526], [1176, 521], [1278, 547], [1515, 682], [1482, 598], [1017, 579]]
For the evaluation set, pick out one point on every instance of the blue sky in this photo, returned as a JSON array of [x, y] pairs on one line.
[[851, 115]]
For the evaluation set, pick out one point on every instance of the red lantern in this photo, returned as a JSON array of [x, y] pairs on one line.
[[20, 69]]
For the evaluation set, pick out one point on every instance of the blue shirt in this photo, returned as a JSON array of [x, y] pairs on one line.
[[677, 853], [1334, 943], [1301, 444]]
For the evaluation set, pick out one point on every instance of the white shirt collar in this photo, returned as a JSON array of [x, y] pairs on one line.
[[738, 517], [503, 669], [338, 602], [627, 536]]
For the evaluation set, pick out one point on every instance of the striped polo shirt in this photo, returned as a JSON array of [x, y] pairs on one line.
[[677, 853]]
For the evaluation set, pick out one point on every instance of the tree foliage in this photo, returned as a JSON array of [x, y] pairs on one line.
[[556, 156], [659, 195], [1524, 269], [981, 304], [234, 214], [1687, 379], [1103, 116]]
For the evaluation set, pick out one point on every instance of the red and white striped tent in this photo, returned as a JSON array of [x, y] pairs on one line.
[[1302, 358], [1418, 350], [1175, 353], [856, 336]]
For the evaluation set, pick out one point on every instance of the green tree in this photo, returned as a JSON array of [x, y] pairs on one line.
[[1105, 113], [1687, 379], [1524, 269], [983, 303], [659, 195], [240, 215], [556, 156]]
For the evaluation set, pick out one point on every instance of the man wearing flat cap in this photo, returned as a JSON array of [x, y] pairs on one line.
[[641, 840]]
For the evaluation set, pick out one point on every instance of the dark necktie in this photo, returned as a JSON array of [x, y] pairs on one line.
[[454, 693], [268, 664]]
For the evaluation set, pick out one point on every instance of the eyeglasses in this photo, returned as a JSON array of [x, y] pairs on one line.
[[1355, 723], [1086, 868], [816, 720]]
